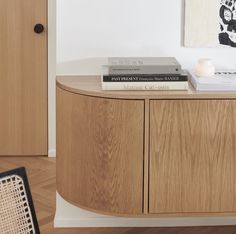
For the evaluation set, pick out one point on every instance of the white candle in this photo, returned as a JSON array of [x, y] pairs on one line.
[[205, 68]]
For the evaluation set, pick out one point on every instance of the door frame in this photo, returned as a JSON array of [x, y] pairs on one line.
[[52, 22]]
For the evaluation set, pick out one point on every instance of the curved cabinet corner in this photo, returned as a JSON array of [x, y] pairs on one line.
[[100, 152]]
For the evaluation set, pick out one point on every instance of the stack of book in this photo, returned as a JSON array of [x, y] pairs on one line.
[[163, 73]]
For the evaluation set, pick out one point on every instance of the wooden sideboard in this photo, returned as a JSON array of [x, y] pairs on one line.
[[145, 153]]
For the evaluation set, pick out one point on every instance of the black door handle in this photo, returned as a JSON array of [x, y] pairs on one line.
[[38, 28]]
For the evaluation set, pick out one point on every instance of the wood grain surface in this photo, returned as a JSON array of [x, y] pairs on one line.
[[192, 156], [100, 152], [23, 78], [146, 158]]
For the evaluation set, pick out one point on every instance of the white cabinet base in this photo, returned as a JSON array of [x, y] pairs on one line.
[[68, 215]]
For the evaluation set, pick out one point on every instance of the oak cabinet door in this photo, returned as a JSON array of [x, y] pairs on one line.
[[23, 78], [192, 156], [100, 152]]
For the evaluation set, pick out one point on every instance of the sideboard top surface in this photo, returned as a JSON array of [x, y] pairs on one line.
[[91, 86]]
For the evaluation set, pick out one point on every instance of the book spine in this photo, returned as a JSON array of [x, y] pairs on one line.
[[182, 85], [144, 78], [123, 70], [193, 82]]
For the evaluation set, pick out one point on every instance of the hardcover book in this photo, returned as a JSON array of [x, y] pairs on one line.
[[222, 81], [142, 65], [181, 85], [144, 78]]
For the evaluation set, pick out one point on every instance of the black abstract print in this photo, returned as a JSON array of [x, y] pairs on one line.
[[227, 35]]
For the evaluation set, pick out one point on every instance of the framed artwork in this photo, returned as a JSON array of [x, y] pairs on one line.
[[210, 23]]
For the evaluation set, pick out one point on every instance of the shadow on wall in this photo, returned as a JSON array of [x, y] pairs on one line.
[[88, 66], [92, 65]]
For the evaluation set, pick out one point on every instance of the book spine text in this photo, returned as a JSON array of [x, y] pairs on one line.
[[144, 78], [145, 85]]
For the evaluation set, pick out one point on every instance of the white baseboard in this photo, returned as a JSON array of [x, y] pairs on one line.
[[52, 153], [68, 215]]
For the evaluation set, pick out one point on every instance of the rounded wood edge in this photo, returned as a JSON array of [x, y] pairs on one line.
[[121, 204], [152, 215], [94, 210], [80, 91], [90, 86], [99, 93]]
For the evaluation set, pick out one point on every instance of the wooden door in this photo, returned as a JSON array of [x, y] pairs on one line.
[[100, 152], [193, 156], [23, 78]]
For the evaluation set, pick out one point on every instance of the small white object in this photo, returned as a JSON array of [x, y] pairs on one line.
[[205, 68]]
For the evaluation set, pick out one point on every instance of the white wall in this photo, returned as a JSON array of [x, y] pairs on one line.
[[90, 29], [101, 28]]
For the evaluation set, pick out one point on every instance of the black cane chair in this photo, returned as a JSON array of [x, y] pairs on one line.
[[17, 214]]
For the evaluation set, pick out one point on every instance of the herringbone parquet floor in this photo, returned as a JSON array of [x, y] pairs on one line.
[[42, 177]]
